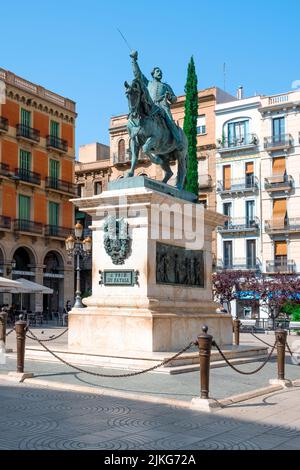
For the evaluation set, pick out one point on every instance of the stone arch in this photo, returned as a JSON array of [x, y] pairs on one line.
[[24, 256]]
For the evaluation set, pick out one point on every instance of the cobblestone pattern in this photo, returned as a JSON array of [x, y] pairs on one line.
[[37, 418]]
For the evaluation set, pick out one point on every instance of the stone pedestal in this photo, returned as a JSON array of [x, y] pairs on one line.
[[164, 310]]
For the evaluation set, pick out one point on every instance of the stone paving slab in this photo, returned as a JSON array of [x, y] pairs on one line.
[[122, 424]]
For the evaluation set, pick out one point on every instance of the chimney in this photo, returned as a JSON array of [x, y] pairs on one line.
[[240, 93]]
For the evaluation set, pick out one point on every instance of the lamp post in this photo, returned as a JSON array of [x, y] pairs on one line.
[[11, 267], [78, 247]]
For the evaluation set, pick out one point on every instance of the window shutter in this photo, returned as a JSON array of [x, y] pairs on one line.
[[227, 177], [279, 212], [278, 170], [281, 248], [249, 168]]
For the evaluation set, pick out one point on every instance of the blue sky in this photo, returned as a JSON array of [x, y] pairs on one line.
[[73, 48]]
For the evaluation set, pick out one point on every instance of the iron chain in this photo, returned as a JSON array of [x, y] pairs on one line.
[[244, 372], [132, 374], [9, 332], [270, 345], [47, 339]]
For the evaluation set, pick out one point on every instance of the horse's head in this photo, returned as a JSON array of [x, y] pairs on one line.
[[133, 93]]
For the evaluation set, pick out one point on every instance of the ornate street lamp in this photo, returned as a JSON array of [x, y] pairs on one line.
[[76, 246]]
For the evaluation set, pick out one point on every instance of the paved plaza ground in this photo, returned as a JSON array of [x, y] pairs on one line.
[[64, 409]]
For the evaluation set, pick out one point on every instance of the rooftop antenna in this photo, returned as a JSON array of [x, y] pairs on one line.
[[125, 40], [224, 75]]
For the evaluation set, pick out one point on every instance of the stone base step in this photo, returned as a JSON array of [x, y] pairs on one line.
[[188, 362]]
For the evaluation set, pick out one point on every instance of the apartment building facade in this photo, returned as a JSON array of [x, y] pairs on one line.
[[280, 124], [37, 153], [258, 182]]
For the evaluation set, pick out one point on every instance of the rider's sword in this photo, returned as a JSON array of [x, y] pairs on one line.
[[125, 40]]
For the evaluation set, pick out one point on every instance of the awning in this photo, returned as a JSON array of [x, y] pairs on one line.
[[8, 284], [247, 295], [30, 287]]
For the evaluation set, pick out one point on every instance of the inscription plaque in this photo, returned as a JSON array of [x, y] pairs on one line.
[[177, 265], [118, 278]]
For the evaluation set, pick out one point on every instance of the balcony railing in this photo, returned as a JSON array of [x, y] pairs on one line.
[[22, 225], [56, 143], [240, 143], [5, 222], [28, 176], [239, 264], [281, 265], [204, 181], [121, 159], [4, 169], [238, 185], [279, 183], [278, 142], [56, 231], [28, 133], [241, 224], [280, 225], [60, 185], [3, 124]]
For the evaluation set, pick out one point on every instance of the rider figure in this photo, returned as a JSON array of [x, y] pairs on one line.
[[161, 94]]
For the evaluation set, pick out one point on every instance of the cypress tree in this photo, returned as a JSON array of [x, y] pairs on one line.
[[190, 128]]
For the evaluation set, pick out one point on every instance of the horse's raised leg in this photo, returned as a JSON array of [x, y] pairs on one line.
[[134, 149], [148, 150]]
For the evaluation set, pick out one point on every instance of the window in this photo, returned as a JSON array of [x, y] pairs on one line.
[[80, 190], [121, 150], [201, 125], [24, 165], [25, 117], [226, 177], [250, 212], [251, 253], [54, 129], [280, 255], [54, 167], [238, 133], [227, 254], [97, 187], [278, 128], [227, 210], [24, 208], [249, 174], [279, 213], [53, 214]]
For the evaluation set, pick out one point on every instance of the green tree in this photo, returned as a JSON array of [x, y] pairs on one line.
[[190, 128]]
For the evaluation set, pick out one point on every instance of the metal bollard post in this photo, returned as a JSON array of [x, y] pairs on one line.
[[3, 322], [281, 344], [21, 337], [236, 329], [204, 343]]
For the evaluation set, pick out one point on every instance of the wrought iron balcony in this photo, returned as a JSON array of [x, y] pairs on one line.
[[56, 231], [122, 159], [239, 264], [3, 124], [204, 181], [281, 265], [56, 143], [278, 142], [240, 225], [248, 141], [280, 225], [4, 169], [5, 222], [28, 176], [60, 185], [238, 185], [28, 133], [279, 183], [23, 225]]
